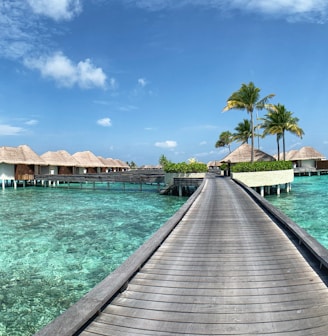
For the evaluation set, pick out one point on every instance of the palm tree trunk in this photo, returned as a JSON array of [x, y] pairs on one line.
[[252, 140], [278, 147], [283, 144]]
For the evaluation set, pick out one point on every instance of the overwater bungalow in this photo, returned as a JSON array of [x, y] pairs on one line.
[[243, 154], [110, 165], [306, 160], [59, 162], [18, 164], [306, 157], [214, 165], [87, 162], [151, 167], [288, 155], [123, 166]]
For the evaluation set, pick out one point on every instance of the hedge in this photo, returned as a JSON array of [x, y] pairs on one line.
[[261, 166], [183, 167]]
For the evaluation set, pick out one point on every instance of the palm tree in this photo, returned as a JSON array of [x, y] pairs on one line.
[[225, 139], [279, 120], [248, 98], [243, 132]]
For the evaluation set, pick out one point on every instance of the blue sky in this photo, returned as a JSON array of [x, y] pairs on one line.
[[135, 79]]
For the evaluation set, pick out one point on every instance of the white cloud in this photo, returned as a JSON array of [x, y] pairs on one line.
[[106, 122], [313, 10], [56, 9], [22, 33], [113, 83], [288, 6], [88, 76], [203, 143], [32, 122], [206, 154], [66, 73], [128, 108], [142, 82], [166, 144], [10, 130]]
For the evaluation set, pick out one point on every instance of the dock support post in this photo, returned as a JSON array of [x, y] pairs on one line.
[[15, 184], [278, 189], [180, 190], [3, 184], [262, 191]]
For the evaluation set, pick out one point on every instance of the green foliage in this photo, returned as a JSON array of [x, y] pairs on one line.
[[183, 167], [261, 166], [224, 166], [163, 160], [132, 165], [225, 139]]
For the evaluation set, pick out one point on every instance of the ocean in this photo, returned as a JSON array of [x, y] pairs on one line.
[[307, 205], [58, 243]]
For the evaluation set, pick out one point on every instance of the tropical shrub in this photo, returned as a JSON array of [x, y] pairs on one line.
[[184, 167], [261, 166]]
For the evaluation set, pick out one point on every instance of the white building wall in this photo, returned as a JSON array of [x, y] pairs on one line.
[[306, 163], [7, 171], [265, 178]]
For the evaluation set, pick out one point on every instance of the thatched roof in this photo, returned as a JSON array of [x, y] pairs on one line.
[[87, 159], [214, 164], [20, 155], [288, 155], [151, 167], [23, 154], [122, 164], [243, 154], [59, 158], [109, 162], [306, 153]]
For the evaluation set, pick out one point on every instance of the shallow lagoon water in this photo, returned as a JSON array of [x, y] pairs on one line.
[[307, 205], [58, 243]]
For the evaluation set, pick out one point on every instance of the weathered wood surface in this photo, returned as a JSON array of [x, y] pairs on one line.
[[88, 306], [226, 269], [131, 176]]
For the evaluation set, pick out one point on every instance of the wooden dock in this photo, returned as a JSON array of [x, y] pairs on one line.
[[227, 263], [131, 176]]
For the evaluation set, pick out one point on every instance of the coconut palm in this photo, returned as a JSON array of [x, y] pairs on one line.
[[225, 139], [243, 132], [248, 98], [279, 120]]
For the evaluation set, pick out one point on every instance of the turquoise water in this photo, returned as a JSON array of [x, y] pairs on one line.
[[307, 205], [56, 244]]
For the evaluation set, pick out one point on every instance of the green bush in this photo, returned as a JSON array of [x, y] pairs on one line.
[[261, 166], [183, 167]]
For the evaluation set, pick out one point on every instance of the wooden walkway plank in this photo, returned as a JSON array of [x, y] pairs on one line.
[[226, 269]]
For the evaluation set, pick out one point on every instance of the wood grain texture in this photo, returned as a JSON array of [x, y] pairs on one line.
[[226, 269]]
